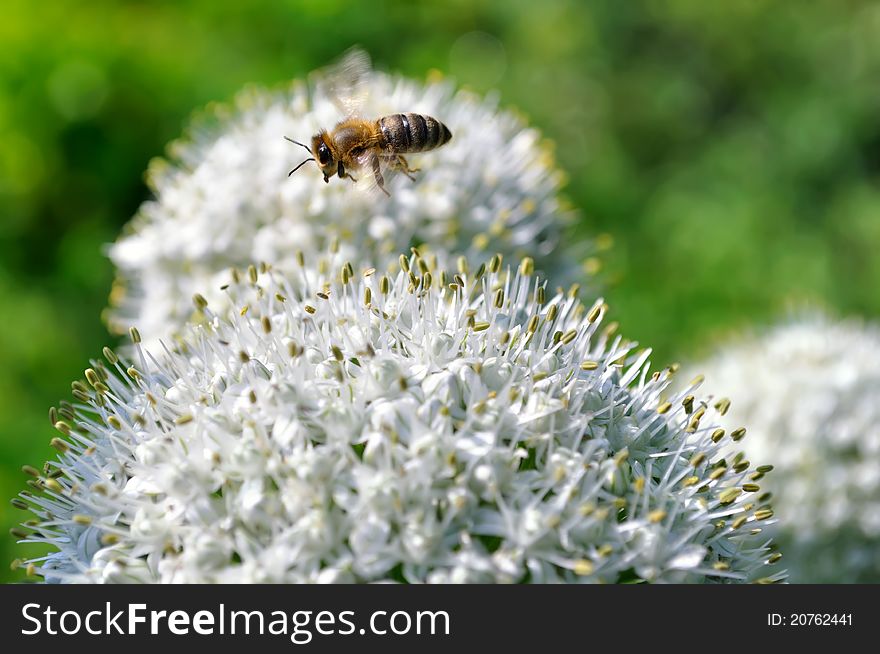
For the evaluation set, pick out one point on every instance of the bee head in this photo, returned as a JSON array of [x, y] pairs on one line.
[[323, 155]]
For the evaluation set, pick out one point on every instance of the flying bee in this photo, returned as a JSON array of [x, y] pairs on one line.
[[355, 143]]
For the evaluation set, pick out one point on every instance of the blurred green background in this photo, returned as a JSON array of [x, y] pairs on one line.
[[731, 149]]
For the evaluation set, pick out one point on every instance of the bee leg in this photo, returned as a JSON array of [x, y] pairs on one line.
[[340, 170], [405, 165], [401, 164], [377, 173]]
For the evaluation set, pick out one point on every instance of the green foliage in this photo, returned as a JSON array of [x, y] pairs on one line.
[[731, 149]]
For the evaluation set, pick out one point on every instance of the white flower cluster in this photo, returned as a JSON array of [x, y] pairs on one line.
[[224, 199], [809, 390], [421, 426]]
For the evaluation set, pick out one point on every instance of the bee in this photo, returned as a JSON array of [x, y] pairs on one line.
[[355, 143]]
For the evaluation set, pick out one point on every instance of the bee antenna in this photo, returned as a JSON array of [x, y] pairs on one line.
[[300, 166], [308, 149]]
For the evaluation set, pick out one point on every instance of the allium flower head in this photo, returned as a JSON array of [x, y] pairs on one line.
[[423, 426], [224, 199], [809, 390]]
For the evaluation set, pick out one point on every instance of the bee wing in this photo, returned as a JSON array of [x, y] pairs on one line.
[[345, 82]]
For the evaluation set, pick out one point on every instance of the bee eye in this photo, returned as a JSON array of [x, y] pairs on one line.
[[323, 154]]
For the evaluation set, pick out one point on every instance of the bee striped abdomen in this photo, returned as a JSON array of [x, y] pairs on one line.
[[413, 132]]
